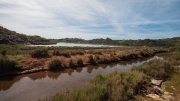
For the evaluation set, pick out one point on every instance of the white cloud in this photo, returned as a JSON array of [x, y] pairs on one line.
[[90, 18]]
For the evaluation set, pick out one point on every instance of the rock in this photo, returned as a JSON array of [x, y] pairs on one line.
[[154, 97], [156, 82], [157, 90], [168, 96]]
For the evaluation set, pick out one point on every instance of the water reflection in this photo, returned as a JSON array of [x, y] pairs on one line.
[[7, 82], [53, 82]]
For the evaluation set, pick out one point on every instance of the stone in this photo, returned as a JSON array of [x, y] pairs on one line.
[[154, 97], [156, 82], [157, 90], [168, 96]]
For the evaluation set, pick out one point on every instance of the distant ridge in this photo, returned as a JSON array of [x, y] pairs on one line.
[[11, 37], [146, 42]]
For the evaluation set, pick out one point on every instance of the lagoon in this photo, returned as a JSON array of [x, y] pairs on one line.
[[65, 44]]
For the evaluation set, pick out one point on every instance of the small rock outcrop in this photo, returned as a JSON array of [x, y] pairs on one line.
[[156, 82], [158, 94]]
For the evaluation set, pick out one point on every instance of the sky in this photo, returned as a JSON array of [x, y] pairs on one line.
[[89, 19]]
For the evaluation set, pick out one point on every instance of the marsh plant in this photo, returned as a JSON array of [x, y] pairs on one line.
[[40, 53], [55, 64], [3, 52], [91, 59], [79, 62], [71, 63], [7, 64]]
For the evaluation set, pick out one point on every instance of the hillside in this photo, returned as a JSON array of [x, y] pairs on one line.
[[11, 37], [146, 42], [150, 42]]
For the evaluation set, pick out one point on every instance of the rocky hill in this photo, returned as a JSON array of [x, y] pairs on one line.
[[11, 37]]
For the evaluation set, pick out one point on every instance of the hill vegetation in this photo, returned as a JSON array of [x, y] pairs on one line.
[[168, 42], [11, 37]]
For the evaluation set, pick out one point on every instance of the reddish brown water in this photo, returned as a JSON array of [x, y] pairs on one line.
[[41, 85]]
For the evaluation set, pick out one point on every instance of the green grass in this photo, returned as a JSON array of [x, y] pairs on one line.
[[126, 85], [173, 85], [117, 86]]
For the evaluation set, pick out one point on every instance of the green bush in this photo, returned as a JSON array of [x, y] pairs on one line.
[[158, 69], [97, 57], [71, 63], [55, 64], [7, 64], [79, 62], [56, 53], [117, 86], [91, 60], [40, 53], [103, 60], [3, 52]]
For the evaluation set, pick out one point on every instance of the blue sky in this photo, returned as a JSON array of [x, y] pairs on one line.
[[88, 19]]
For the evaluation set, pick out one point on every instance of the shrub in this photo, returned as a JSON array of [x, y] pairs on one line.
[[40, 53], [103, 60], [56, 53], [71, 63], [80, 52], [79, 62], [158, 69], [97, 57], [97, 52], [3, 52], [55, 64], [7, 64], [91, 60], [117, 86], [65, 54]]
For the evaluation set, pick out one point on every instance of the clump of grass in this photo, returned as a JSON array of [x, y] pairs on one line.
[[158, 69], [7, 64], [40, 53], [56, 53], [97, 57], [91, 60], [79, 62], [3, 52], [71, 63], [173, 85], [112, 87], [55, 64], [103, 60], [97, 52]]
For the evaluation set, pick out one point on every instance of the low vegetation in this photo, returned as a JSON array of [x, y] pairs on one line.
[[55, 64], [7, 65], [123, 86], [40, 53], [173, 84], [71, 63], [29, 57], [160, 71], [80, 62], [11, 37]]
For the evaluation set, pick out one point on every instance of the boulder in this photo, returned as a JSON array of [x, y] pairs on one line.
[[154, 97], [156, 82]]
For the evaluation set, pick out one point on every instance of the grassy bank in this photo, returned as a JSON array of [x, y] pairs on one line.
[[126, 85], [173, 85], [28, 57]]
